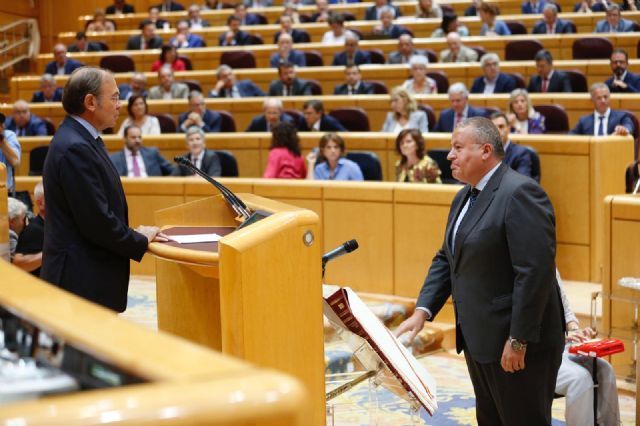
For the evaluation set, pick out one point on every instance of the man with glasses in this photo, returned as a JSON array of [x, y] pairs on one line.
[[493, 81], [623, 80], [351, 55], [614, 23]]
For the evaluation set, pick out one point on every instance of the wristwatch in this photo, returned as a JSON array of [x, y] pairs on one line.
[[517, 345]]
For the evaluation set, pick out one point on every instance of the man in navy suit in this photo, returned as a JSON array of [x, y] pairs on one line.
[[493, 81], [351, 53], [23, 123], [198, 115], [354, 84], [120, 7], [604, 121], [286, 53], [387, 27], [245, 17], [623, 80], [518, 157], [135, 160], [147, 39], [614, 23], [169, 6], [136, 87], [228, 87], [184, 38], [548, 79], [374, 13], [204, 159], [82, 45], [272, 115], [288, 84], [235, 36], [460, 109], [533, 6], [551, 24], [61, 65], [87, 239], [286, 27], [48, 92], [315, 119]]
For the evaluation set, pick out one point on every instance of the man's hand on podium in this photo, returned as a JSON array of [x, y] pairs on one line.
[[414, 324], [152, 233]]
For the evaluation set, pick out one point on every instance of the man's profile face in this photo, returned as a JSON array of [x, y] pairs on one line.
[[619, 64], [458, 102], [503, 128], [272, 114], [287, 75], [133, 139], [600, 99], [466, 156], [108, 104]]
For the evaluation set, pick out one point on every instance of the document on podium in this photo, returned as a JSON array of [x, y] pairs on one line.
[[378, 349], [195, 238]]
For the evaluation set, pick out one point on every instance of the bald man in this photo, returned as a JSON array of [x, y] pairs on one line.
[[23, 123], [61, 65], [457, 52]]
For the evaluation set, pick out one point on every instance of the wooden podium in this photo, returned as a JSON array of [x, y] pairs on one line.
[[256, 294]]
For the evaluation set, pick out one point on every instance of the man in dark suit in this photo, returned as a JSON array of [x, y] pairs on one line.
[[387, 27], [286, 27], [169, 6], [374, 13], [135, 160], [315, 120], [289, 84], [82, 45], [199, 116], [245, 17], [354, 84], [286, 53], [623, 80], [497, 261], [184, 38], [61, 65], [518, 157], [204, 159], [154, 17], [405, 51], [119, 7], [351, 53], [147, 39], [48, 92], [23, 123], [322, 12], [604, 121], [234, 36], [136, 86], [533, 7], [272, 115], [195, 21], [493, 81], [548, 79], [460, 109], [87, 239], [228, 87], [551, 24]]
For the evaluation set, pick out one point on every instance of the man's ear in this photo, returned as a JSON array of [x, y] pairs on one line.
[[90, 102]]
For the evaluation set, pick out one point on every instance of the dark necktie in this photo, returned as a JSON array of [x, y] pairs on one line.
[[472, 199], [601, 125]]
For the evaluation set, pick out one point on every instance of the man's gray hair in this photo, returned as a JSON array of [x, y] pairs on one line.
[[48, 78], [16, 208], [489, 57], [140, 75], [458, 88], [612, 7], [194, 129], [388, 9], [221, 68], [82, 82], [598, 86], [484, 131], [272, 102], [552, 7], [38, 191], [195, 94]]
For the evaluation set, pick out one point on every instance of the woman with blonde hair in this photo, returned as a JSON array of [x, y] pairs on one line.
[[100, 22], [428, 9], [404, 113], [523, 119], [414, 165]]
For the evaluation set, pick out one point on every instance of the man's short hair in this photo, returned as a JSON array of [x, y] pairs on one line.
[[598, 86], [146, 22], [543, 55], [352, 65], [272, 101], [387, 9], [336, 18], [621, 51], [458, 88], [552, 7], [315, 104], [82, 82], [350, 35], [81, 35], [498, 114], [285, 64], [233, 18], [489, 57], [195, 94], [613, 7], [15, 208], [194, 129], [221, 68], [125, 133], [484, 131], [48, 78]]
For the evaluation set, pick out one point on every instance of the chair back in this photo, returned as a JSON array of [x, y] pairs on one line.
[[51, 128], [238, 59], [379, 88], [522, 50], [439, 155], [592, 48], [368, 162], [313, 58], [377, 56], [187, 62], [555, 118], [228, 125], [636, 132], [193, 85], [535, 163], [228, 163], [520, 84], [255, 39], [117, 63], [316, 89], [516, 27], [353, 119], [167, 123], [578, 81], [441, 79], [431, 115], [36, 160]]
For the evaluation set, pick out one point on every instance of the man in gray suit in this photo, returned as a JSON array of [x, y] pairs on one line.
[[135, 160], [457, 52], [168, 87], [497, 261], [405, 51]]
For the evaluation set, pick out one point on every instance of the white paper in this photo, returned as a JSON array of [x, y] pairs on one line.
[[195, 238]]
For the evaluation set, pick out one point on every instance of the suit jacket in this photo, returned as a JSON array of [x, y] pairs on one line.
[[259, 123], [240, 39], [417, 120], [39, 96], [87, 239], [126, 8], [295, 57], [35, 126], [363, 89], [466, 54], [263, 3], [395, 31], [505, 84], [327, 124], [135, 42], [529, 8], [448, 118], [499, 27], [298, 36], [371, 13], [69, 66], [212, 121], [396, 57], [502, 273], [210, 165], [624, 26], [125, 91], [173, 7], [178, 91], [562, 27], [559, 82], [193, 40], [251, 19], [632, 80], [246, 88], [299, 87], [586, 123], [154, 163], [519, 158], [91, 47], [361, 57]]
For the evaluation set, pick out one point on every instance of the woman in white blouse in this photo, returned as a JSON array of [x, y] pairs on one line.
[[337, 33], [137, 108], [404, 113], [420, 84]]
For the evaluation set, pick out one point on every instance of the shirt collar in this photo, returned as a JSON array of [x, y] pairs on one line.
[[606, 114], [92, 130], [485, 179]]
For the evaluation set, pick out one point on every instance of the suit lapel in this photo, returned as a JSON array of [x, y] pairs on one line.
[[456, 209]]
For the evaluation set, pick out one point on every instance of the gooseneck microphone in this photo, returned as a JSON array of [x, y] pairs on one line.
[[345, 248], [232, 199]]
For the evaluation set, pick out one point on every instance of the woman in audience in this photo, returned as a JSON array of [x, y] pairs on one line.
[[100, 22], [450, 24], [523, 119], [337, 33], [169, 56], [414, 165], [420, 84], [138, 115], [285, 161], [490, 25], [428, 9], [404, 113], [212, 5], [329, 163]]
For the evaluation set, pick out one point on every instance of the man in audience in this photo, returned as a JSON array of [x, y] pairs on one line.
[[460, 109], [23, 123], [135, 160], [387, 27], [457, 52], [61, 65], [82, 45], [548, 79], [288, 84], [234, 36], [351, 53], [530, 7], [136, 87], [195, 22], [10, 152], [154, 17], [551, 24], [184, 38], [604, 121], [286, 27], [17, 215], [405, 51], [147, 39], [120, 7], [322, 12], [169, 6], [315, 120], [518, 157], [28, 254], [198, 115], [354, 84], [228, 87], [272, 115], [245, 17], [623, 80], [614, 23], [204, 159], [374, 13], [286, 53], [168, 87], [493, 81], [48, 92], [258, 3]]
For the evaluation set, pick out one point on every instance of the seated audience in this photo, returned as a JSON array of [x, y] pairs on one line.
[[136, 86], [450, 24], [195, 22], [414, 164], [457, 52], [353, 83], [147, 39], [288, 84], [322, 12], [285, 160], [256, 4], [168, 87], [374, 13], [492, 80], [168, 57], [291, 10], [154, 18], [286, 53], [420, 84], [518, 157], [286, 27], [82, 45], [614, 23], [386, 26], [120, 7], [551, 24], [10, 152], [227, 86], [17, 214], [235, 36], [523, 119], [315, 120], [588, 6], [404, 113], [245, 17], [632, 177], [28, 254], [184, 38], [532, 7], [272, 115], [139, 116], [329, 162], [337, 33], [405, 51], [623, 80], [199, 115], [460, 109], [204, 159], [474, 9], [604, 121], [61, 65], [631, 5], [169, 6], [23, 123], [212, 5], [48, 92], [135, 160], [491, 26], [548, 79], [428, 9], [100, 22], [351, 53]]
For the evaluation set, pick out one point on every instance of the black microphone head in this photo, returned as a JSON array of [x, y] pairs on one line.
[[350, 246], [181, 160]]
